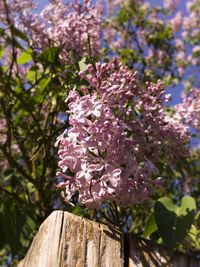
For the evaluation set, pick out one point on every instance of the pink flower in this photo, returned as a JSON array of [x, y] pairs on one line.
[[119, 131], [73, 26], [176, 21], [189, 111], [171, 4]]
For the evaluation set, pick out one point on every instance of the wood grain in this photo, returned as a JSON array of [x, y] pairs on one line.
[[66, 240]]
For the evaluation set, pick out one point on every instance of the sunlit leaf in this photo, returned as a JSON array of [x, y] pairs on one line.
[[174, 222], [150, 226], [25, 57]]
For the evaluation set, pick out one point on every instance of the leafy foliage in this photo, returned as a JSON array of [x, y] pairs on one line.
[[177, 220], [172, 223]]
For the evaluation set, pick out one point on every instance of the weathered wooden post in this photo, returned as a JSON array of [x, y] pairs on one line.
[[66, 240]]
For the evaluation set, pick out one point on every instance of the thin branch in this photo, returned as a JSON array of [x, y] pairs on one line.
[[13, 194], [14, 163]]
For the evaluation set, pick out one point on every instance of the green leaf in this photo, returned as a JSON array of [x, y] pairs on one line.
[[2, 31], [31, 75], [127, 55], [19, 34], [82, 64], [44, 82], [150, 226], [50, 55], [3, 238], [25, 57], [1, 51], [78, 210], [16, 223], [174, 222], [125, 14], [11, 223]]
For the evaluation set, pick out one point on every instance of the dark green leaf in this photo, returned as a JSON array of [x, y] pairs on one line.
[[50, 55], [19, 34], [16, 223], [173, 221]]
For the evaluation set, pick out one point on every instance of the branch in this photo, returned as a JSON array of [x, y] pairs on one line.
[[14, 163]]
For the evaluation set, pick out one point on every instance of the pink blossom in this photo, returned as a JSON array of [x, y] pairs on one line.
[[176, 21], [179, 44], [73, 26], [192, 20], [119, 131], [171, 4], [189, 110]]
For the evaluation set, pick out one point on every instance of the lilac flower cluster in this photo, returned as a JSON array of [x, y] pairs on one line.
[[187, 44], [192, 20], [72, 25], [189, 110], [119, 131], [139, 37], [171, 4], [75, 27], [16, 9]]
